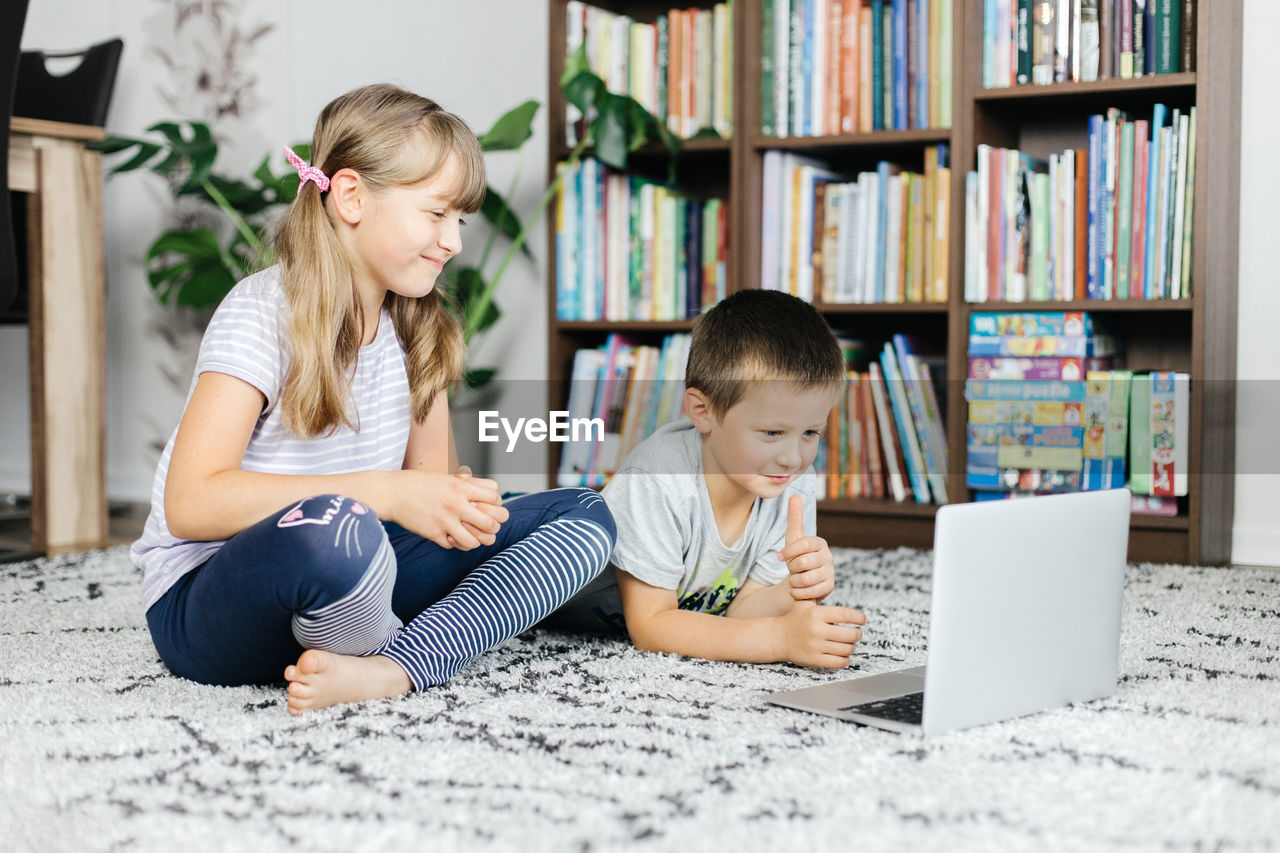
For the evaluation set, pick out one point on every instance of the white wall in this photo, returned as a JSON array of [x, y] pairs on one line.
[[1256, 537], [477, 58]]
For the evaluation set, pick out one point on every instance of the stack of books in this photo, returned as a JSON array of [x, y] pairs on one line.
[[1112, 221], [1026, 396], [881, 237], [631, 249], [886, 438], [1055, 41], [853, 66], [629, 390], [679, 68]]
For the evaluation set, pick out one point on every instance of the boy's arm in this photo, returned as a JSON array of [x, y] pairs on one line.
[[760, 599], [657, 624], [810, 635]]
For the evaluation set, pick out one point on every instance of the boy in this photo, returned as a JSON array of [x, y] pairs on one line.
[[764, 371]]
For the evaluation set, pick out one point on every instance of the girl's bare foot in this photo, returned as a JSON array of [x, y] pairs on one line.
[[320, 679]]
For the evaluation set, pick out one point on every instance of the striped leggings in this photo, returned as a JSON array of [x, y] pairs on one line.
[[327, 573]]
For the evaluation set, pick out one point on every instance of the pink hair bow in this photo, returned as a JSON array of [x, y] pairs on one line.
[[305, 172]]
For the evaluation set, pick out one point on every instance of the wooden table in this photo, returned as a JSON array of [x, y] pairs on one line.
[[63, 179]]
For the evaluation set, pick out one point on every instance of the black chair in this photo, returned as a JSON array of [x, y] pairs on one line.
[[79, 96], [13, 17]]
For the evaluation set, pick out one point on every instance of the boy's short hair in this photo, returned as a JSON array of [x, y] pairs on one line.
[[754, 335]]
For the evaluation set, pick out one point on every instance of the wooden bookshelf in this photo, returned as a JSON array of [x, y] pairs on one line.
[[1196, 335]]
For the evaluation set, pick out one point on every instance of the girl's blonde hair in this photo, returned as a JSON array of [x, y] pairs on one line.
[[389, 137]]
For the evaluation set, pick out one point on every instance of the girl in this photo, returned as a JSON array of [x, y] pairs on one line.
[[309, 505]]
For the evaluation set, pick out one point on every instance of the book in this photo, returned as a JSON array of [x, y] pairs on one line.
[[1041, 45], [1116, 432], [1028, 412], [1168, 36], [1049, 392], [923, 416], [895, 474], [1124, 211], [1043, 345], [1039, 369], [1140, 434], [904, 417], [1170, 430], [1090, 40], [575, 456], [877, 471]]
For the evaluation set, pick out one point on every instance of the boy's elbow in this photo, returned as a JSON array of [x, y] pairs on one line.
[[644, 641]]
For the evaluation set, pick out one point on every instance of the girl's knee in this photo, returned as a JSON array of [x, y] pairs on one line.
[[333, 539], [589, 506]]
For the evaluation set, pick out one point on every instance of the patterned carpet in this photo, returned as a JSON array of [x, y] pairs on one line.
[[557, 742]]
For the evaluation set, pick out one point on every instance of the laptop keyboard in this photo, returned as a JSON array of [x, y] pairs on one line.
[[902, 709]]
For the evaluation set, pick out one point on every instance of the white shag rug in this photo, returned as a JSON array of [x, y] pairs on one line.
[[559, 742]]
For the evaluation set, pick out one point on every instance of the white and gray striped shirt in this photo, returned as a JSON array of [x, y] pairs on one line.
[[245, 340]]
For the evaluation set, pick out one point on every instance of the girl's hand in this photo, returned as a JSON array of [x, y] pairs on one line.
[[452, 511], [497, 512]]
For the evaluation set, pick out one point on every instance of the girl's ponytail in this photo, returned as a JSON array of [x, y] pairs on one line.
[[390, 137]]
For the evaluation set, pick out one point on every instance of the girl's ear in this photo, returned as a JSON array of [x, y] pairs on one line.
[[347, 195], [698, 409]]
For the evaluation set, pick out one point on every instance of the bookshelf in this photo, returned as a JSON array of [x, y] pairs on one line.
[[1195, 335]]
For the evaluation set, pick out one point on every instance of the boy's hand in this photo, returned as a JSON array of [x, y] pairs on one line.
[[815, 636], [813, 571]]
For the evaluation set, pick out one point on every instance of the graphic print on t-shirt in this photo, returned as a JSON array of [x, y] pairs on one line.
[[714, 599]]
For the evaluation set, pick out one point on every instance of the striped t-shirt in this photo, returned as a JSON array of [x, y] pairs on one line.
[[245, 340]]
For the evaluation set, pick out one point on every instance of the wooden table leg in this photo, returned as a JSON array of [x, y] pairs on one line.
[[68, 350]]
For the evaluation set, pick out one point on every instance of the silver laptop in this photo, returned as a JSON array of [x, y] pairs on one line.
[[1025, 617]]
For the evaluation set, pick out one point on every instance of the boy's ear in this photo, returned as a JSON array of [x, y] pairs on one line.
[[698, 408], [346, 195]]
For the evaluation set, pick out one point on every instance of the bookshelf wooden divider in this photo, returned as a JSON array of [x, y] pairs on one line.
[[1196, 335]]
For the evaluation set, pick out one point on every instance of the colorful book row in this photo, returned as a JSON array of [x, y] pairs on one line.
[[633, 389], [881, 237], [679, 68], [631, 249], [853, 66], [1055, 41], [1112, 221], [886, 437]]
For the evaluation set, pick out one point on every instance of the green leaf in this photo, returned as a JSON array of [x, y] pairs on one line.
[[504, 219], [112, 144], [146, 150], [478, 378], [582, 90], [512, 130], [189, 268], [574, 64], [198, 243], [610, 130], [206, 286]]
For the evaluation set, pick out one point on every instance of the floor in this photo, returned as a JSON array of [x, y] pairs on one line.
[[124, 524]]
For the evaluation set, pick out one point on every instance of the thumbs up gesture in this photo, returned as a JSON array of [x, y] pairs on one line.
[[809, 560]]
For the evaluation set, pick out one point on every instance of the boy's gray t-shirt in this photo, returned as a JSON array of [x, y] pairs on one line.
[[667, 534]]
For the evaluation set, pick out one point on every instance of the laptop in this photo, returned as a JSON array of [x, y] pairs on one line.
[[1025, 616]]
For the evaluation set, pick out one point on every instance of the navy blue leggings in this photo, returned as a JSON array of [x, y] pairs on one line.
[[328, 573]]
